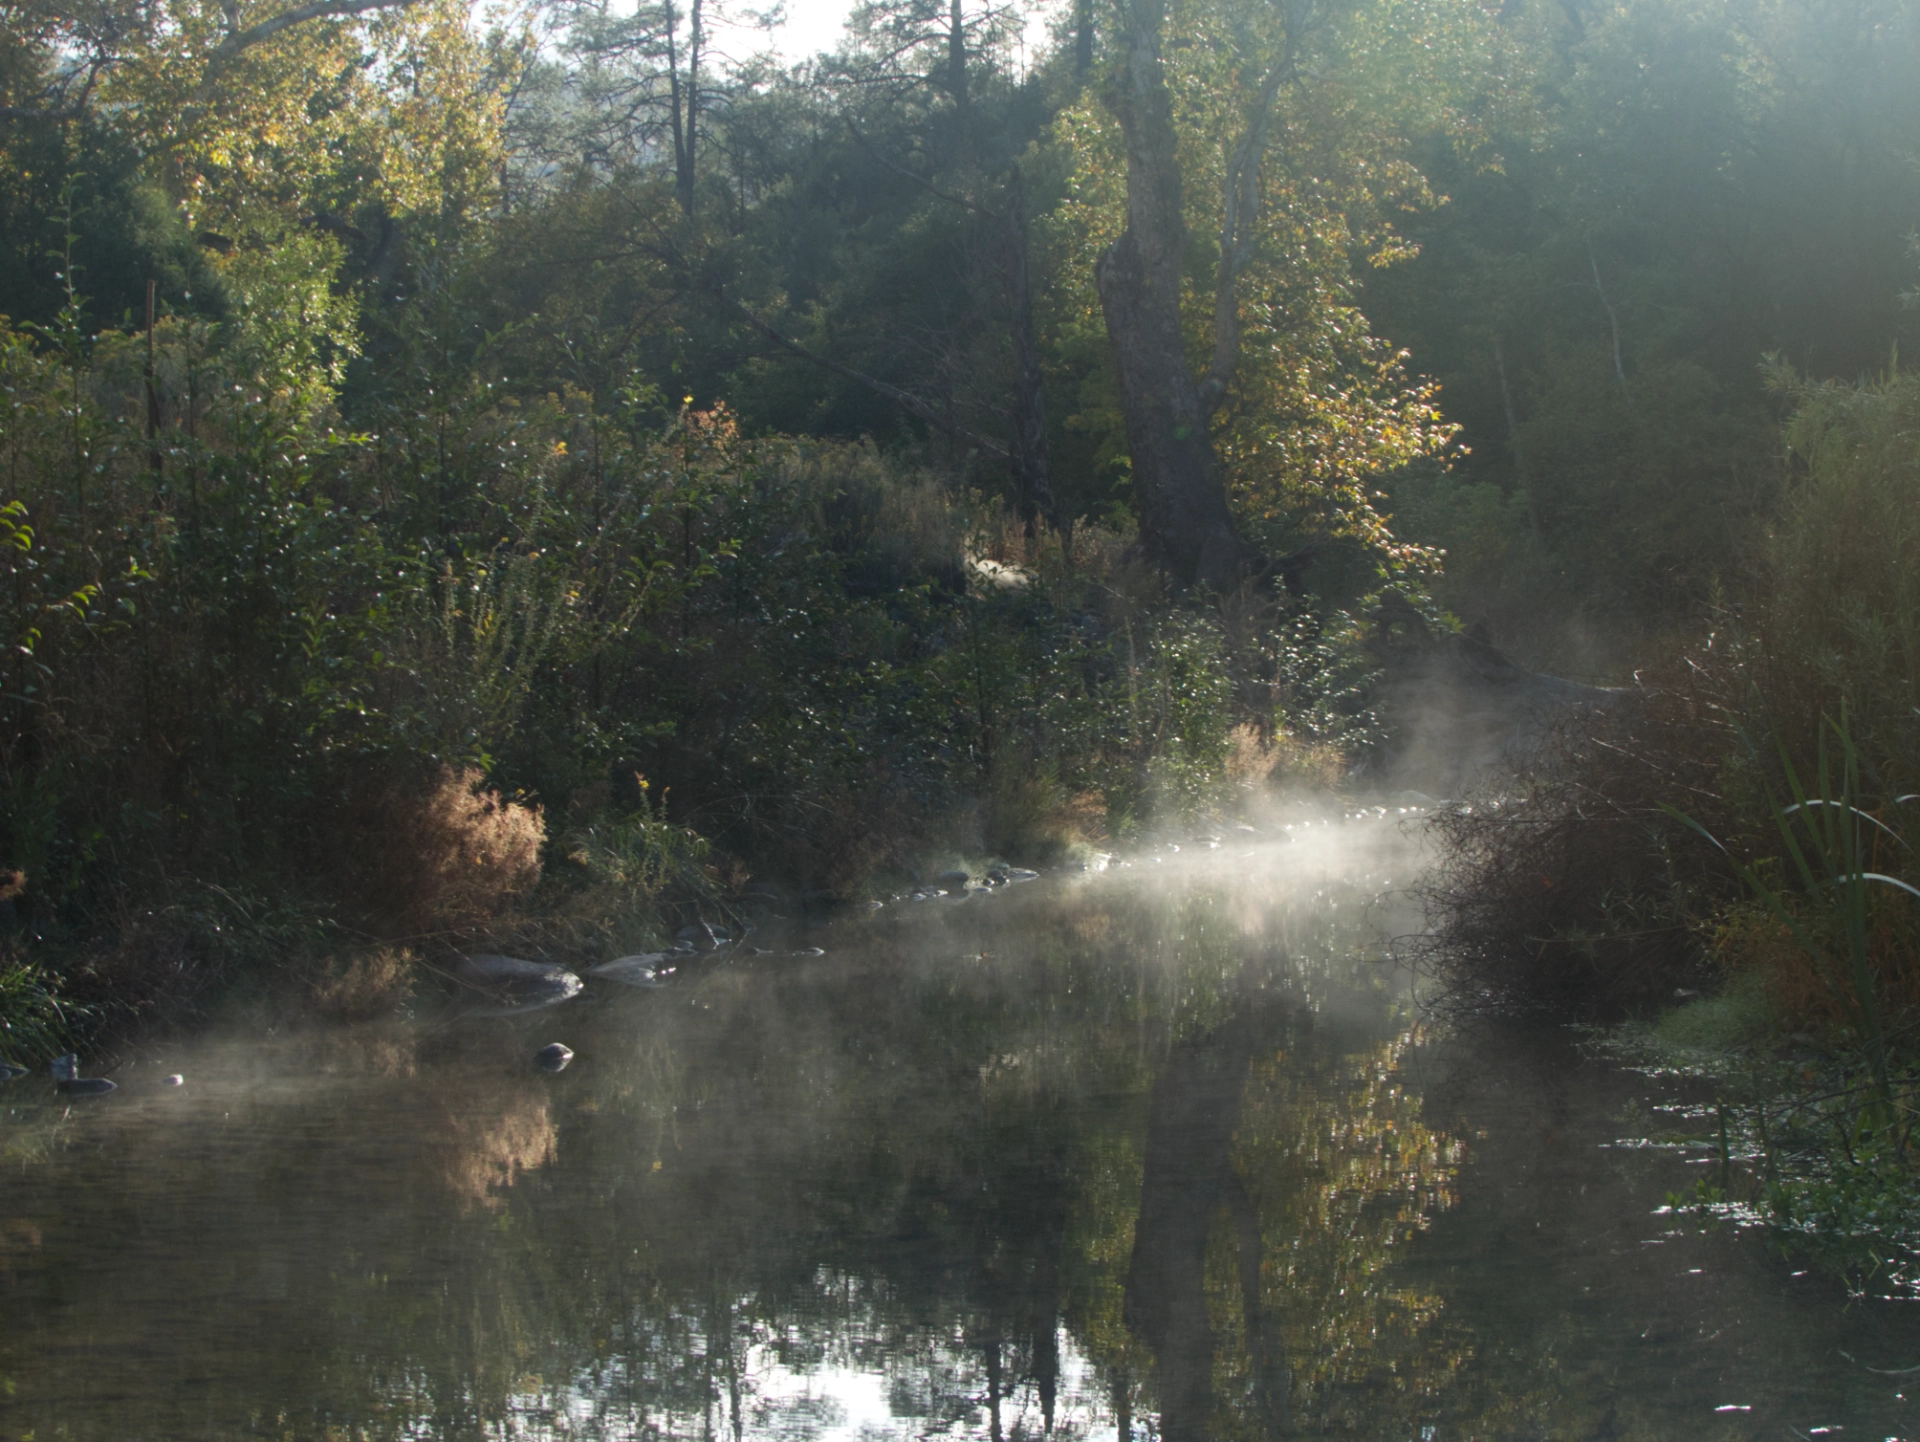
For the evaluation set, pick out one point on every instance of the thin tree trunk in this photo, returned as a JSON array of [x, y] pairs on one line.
[[1513, 439], [1030, 456], [957, 59], [150, 376], [1613, 319], [684, 97]]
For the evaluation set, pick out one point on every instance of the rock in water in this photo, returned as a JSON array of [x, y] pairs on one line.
[[92, 1086], [10, 1072], [514, 985], [703, 937], [176, 1080], [553, 1058], [64, 1068], [953, 880], [642, 970]]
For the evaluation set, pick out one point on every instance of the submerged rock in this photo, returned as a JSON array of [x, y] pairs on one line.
[[703, 937], [10, 1072], [809, 951], [514, 986], [646, 969], [553, 1058], [953, 880], [66, 1076]]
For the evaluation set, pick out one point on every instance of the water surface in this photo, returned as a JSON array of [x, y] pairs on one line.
[[1162, 1151]]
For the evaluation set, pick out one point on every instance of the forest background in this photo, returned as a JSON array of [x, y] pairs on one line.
[[546, 471]]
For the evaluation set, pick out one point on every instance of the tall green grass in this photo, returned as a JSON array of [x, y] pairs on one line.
[[1831, 843]]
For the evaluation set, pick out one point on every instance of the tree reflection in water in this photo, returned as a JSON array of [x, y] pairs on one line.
[[1186, 1177], [1076, 1160]]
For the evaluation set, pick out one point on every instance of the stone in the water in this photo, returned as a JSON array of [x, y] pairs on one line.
[[10, 1072], [93, 1086], [553, 1058], [64, 1068], [703, 937], [647, 969], [1016, 874], [953, 880], [809, 951], [176, 1080], [516, 986]]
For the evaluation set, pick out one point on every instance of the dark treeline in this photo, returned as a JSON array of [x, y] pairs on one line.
[[529, 476]]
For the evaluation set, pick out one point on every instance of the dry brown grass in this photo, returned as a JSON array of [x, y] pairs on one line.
[[442, 855], [1280, 763]]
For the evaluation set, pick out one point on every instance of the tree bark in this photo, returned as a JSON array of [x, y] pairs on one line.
[[1186, 525]]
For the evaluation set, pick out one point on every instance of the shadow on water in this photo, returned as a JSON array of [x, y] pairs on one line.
[[1160, 1153]]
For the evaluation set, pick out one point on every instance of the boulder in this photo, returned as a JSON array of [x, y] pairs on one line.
[[508, 985]]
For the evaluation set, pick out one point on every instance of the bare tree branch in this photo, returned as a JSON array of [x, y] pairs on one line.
[[239, 40]]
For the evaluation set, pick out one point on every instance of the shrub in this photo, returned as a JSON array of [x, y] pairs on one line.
[[1609, 866], [438, 855], [1568, 886]]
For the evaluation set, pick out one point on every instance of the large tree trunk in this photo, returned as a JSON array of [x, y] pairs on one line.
[[1186, 526]]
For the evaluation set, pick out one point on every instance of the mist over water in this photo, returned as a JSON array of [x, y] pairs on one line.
[[1161, 1150]]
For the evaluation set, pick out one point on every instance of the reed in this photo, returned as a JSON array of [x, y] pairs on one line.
[[1831, 842]]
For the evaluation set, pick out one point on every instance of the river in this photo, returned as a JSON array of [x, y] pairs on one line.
[[1166, 1149]]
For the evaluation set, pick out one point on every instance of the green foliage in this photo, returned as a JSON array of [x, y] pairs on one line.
[[1694, 186], [34, 1023]]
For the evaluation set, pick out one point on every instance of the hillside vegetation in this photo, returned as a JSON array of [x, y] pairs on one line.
[[537, 474]]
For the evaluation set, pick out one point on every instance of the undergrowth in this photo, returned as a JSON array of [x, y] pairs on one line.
[[290, 705], [1739, 823]]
